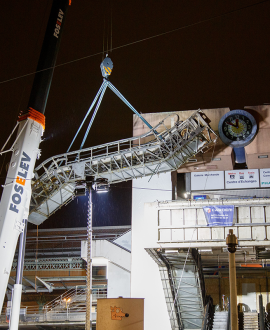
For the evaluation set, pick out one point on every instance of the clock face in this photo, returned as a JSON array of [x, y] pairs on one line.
[[237, 128]]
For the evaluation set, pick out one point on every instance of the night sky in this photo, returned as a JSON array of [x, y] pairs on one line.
[[217, 56]]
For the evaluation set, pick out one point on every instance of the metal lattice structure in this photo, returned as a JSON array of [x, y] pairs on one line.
[[160, 150], [51, 264]]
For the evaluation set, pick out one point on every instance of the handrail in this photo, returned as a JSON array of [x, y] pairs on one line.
[[76, 291], [205, 317], [267, 321], [110, 144], [55, 179], [208, 314], [197, 258], [261, 313], [229, 317], [73, 296]]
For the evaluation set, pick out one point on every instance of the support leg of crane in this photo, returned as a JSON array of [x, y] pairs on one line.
[[88, 323], [94, 114], [17, 291], [15, 307]]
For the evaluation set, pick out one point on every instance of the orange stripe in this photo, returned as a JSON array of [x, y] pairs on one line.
[[34, 115]]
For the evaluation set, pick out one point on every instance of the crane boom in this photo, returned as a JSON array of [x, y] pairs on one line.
[[14, 207]]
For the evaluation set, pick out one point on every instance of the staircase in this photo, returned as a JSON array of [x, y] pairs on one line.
[[71, 305], [189, 295], [250, 321], [183, 285], [220, 321]]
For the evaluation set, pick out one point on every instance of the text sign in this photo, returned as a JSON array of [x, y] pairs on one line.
[[221, 215], [239, 179], [265, 177], [207, 180]]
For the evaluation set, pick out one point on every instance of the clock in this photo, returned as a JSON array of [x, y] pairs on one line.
[[237, 128]]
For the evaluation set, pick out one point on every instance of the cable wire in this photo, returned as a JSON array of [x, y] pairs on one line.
[[140, 40]]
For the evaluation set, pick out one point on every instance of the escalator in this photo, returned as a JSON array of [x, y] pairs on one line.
[[183, 284]]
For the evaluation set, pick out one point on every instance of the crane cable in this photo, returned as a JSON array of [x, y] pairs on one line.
[[107, 29], [140, 40]]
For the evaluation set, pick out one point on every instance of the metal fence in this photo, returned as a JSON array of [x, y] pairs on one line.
[[186, 222]]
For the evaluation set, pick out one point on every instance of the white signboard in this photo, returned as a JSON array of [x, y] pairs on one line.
[[207, 180], [265, 177], [239, 179]]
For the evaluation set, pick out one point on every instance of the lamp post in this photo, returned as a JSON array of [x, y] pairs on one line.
[[67, 301], [88, 323], [100, 185], [232, 242]]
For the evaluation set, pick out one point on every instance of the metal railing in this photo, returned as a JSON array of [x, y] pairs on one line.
[[69, 306], [136, 157], [229, 317], [208, 314], [66, 298], [261, 313], [267, 320], [178, 220]]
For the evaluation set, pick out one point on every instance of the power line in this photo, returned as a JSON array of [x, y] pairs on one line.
[[141, 40], [207, 191]]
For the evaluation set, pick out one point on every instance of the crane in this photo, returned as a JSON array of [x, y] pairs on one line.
[[34, 194], [14, 207], [162, 149]]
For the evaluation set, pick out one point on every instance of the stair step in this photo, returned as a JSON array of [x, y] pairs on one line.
[[220, 320]]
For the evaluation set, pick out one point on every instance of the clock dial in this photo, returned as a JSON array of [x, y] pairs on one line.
[[237, 128]]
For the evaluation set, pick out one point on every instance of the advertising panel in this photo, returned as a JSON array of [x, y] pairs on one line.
[[239, 179], [207, 180], [220, 215], [265, 177]]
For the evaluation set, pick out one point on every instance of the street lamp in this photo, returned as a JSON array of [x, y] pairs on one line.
[[67, 301], [100, 185]]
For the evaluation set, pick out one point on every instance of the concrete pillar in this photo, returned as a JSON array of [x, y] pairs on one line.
[[231, 242]]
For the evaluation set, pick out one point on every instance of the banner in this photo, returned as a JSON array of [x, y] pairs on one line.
[[220, 215], [211, 180], [265, 177], [239, 179]]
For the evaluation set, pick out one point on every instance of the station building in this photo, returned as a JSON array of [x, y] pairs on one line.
[[178, 259], [173, 257]]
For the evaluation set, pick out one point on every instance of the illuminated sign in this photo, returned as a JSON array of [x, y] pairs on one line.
[[207, 180], [265, 177], [239, 179]]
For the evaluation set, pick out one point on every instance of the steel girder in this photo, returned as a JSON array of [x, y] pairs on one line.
[[146, 155]]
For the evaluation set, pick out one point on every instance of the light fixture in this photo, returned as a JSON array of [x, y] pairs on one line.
[[205, 250], [101, 188], [216, 159], [80, 191], [102, 191], [101, 185], [263, 156], [171, 250]]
